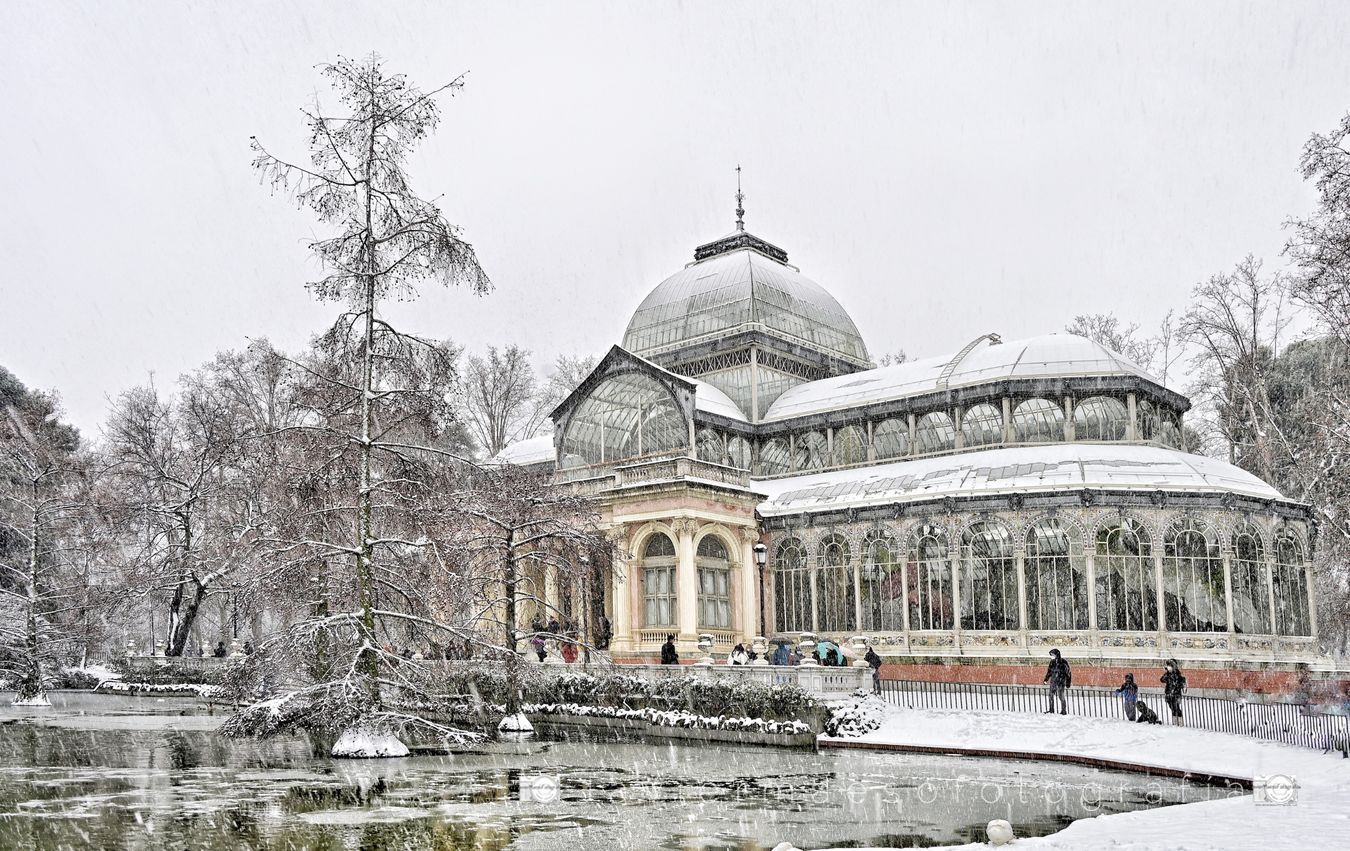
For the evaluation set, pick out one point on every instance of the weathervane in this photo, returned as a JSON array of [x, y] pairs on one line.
[[740, 206]]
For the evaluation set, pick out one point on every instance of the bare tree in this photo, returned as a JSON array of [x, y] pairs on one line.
[[500, 398], [1107, 329], [377, 407], [1320, 245], [1234, 323]]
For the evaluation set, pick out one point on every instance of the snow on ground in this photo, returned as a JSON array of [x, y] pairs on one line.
[[97, 670], [39, 699], [361, 743], [1319, 819]]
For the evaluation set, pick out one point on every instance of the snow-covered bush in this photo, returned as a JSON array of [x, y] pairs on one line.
[[123, 687], [855, 717]]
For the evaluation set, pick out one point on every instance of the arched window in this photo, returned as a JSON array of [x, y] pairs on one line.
[[1056, 578], [982, 425], [850, 445], [883, 585], [1169, 430], [709, 445], [1147, 414], [625, 416], [1193, 579], [714, 584], [1251, 590], [934, 432], [738, 452], [1100, 418], [1127, 592], [930, 580], [890, 438], [774, 459], [792, 589], [988, 578], [812, 451], [658, 581], [834, 586], [1291, 589], [1038, 421]]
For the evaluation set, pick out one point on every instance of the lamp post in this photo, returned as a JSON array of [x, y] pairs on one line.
[[761, 556]]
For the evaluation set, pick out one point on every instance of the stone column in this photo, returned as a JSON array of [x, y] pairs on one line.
[[686, 584], [1162, 598], [1021, 556], [1093, 635], [954, 559], [1310, 582], [621, 590], [1007, 420], [1270, 588], [1068, 418], [1132, 411], [1226, 554], [749, 584]]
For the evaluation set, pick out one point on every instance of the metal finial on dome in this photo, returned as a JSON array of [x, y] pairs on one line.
[[740, 206]]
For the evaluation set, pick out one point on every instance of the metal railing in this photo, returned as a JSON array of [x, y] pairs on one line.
[[1291, 723]]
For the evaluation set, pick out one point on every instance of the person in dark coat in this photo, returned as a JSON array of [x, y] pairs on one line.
[[781, 656], [219, 652], [1059, 677], [874, 661], [1129, 692], [1174, 684], [668, 654]]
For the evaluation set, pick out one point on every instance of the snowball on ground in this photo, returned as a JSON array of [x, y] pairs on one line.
[[1323, 780], [39, 699], [517, 723], [361, 743]]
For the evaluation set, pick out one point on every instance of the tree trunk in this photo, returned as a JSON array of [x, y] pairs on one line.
[[513, 663], [182, 629], [30, 684], [364, 570]]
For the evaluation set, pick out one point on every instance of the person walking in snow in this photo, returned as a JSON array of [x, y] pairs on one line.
[[669, 656], [1174, 684], [874, 662], [1129, 692], [1058, 677]]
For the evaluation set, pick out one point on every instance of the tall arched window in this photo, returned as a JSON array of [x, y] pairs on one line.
[[1127, 593], [1056, 578], [714, 584], [625, 416], [834, 585], [850, 445], [1193, 579], [934, 432], [890, 438], [1169, 429], [812, 451], [982, 425], [882, 585], [1291, 589], [710, 446], [658, 581], [1038, 421], [738, 452], [930, 580], [988, 578], [1251, 590], [1100, 418], [791, 588], [774, 458]]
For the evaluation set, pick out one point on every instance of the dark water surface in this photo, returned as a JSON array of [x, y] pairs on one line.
[[142, 773]]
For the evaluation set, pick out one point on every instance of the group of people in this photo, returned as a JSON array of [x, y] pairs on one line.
[[827, 653], [567, 636], [1059, 676]]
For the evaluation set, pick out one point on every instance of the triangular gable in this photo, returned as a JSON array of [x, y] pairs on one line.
[[618, 359]]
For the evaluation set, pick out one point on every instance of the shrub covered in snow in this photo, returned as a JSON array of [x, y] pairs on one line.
[[855, 717], [673, 718], [123, 687]]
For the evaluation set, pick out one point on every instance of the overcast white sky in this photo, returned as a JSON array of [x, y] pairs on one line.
[[945, 170]]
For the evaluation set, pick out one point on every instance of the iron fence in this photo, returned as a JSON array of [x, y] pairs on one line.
[[1291, 723]]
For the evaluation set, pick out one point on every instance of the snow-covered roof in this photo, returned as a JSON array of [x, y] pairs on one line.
[[709, 398], [1051, 355], [738, 289], [1024, 469], [536, 450]]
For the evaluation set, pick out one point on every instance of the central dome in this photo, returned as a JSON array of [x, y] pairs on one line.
[[742, 283]]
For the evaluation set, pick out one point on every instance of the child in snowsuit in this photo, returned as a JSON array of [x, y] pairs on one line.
[[1129, 692]]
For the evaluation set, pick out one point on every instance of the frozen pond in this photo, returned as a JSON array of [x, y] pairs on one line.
[[142, 773]]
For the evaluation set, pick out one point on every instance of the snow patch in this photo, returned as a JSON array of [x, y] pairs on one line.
[[39, 699], [517, 723], [363, 743]]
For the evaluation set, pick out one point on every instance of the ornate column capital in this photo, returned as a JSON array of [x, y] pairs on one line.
[[684, 526]]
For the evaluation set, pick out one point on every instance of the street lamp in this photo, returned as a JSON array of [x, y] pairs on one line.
[[761, 556]]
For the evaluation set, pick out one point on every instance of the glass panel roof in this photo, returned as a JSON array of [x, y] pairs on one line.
[[740, 288]]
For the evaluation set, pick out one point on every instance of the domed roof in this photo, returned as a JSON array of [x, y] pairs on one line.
[[740, 283], [1050, 355]]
